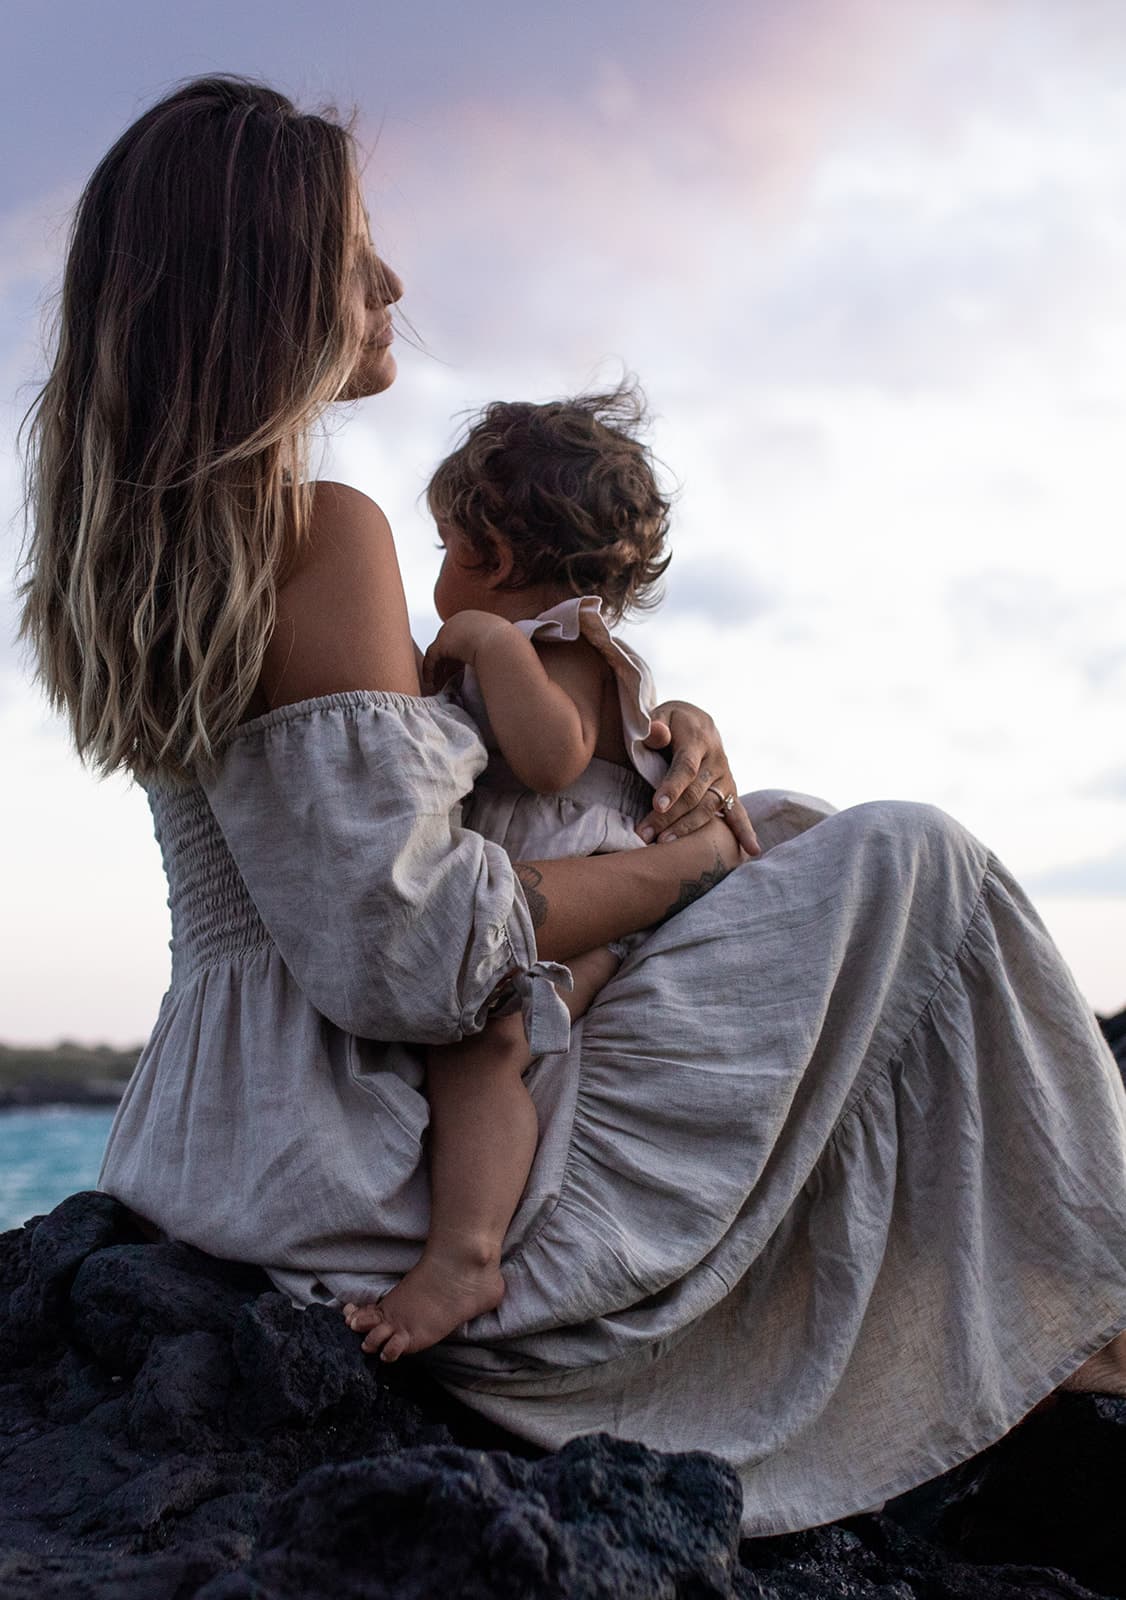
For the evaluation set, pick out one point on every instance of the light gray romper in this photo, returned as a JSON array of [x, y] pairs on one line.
[[599, 811], [832, 1179]]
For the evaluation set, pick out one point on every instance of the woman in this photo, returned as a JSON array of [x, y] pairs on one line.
[[831, 1178]]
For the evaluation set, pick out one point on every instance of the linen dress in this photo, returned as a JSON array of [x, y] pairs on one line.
[[832, 1176]]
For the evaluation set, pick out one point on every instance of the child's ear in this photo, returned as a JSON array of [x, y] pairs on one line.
[[501, 561]]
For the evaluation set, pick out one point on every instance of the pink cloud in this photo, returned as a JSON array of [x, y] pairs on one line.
[[510, 213], [746, 109]]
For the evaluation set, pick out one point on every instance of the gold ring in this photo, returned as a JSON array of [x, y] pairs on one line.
[[726, 801]]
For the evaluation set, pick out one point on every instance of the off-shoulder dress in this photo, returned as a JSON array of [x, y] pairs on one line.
[[832, 1176]]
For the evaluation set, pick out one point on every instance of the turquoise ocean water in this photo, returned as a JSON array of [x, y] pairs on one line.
[[45, 1155]]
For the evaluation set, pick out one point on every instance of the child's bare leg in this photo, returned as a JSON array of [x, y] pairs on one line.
[[483, 1134], [483, 1140], [591, 971]]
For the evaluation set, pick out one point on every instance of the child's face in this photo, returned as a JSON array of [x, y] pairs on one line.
[[462, 585]]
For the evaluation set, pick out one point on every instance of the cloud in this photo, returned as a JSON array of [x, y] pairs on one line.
[[718, 592], [746, 197], [678, 161], [11, 528], [1103, 875], [1105, 664], [1037, 626], [1108, 785], [998, 605], [33, 239]]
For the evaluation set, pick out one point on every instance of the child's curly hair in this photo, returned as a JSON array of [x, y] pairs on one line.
[[568, 486]]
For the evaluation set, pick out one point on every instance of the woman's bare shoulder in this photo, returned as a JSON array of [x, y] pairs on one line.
[[345, 526], [341, 614], [329, 496]]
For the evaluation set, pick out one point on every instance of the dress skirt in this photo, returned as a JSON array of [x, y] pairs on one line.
[[832, 1176]]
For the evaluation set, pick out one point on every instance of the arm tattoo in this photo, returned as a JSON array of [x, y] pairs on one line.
[[530, 880], [692, 888]]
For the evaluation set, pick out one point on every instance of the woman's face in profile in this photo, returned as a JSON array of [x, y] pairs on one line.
[[375, 288]]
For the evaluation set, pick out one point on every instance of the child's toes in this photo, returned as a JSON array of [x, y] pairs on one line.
[[397, 1345], [377, 1338], [362, 1318]]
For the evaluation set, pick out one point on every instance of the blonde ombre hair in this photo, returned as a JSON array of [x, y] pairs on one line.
[[207, 315]]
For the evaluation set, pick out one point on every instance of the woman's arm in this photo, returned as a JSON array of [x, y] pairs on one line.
[[544, 707], [585, 901]]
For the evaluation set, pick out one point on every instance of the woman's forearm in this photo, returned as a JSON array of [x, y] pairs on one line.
[[581, 902]]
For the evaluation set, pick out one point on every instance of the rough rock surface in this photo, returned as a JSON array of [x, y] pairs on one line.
[[170, 1427]]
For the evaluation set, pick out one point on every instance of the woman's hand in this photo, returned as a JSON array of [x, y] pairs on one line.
[[699, 779]]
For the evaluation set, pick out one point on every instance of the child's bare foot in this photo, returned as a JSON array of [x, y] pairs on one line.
[[436, 1296]]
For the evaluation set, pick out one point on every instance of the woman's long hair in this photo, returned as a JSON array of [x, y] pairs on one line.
[[207, 315]]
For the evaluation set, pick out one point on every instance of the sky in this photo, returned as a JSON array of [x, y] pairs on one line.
[[868, 259]]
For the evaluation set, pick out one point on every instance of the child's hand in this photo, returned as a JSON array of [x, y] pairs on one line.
[[457, 645]]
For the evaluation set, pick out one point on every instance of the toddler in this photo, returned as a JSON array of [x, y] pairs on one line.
[[553, 526]]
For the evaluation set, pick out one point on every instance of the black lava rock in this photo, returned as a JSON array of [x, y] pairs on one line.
[[171, 1428], [1114, 1030]]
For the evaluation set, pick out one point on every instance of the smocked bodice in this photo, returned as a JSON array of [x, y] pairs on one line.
[[213, 916]]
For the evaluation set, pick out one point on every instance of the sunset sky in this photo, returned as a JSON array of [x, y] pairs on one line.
[[868, 260]]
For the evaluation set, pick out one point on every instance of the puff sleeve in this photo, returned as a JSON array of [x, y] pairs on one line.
[[343, 816]]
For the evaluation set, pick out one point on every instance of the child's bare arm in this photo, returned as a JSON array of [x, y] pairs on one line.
[[543, 702]]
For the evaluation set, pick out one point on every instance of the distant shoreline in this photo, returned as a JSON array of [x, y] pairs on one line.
[[69, 1074], [76, 1097], [65, 1074]]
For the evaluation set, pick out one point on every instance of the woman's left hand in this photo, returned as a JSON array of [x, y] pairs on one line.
[[699, 778]]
